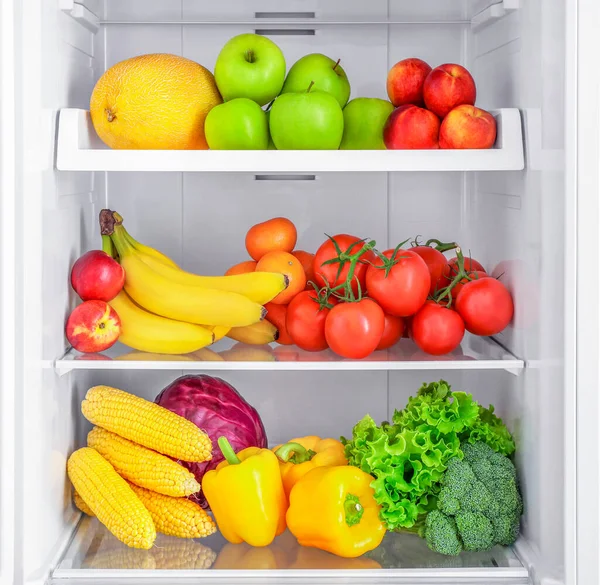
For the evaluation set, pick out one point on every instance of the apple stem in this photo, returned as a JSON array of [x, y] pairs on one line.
[[310, 86], [336, 65], [250, 56]]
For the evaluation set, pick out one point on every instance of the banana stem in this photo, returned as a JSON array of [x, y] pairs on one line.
[[120, 241], [107, 246], [107, 222]]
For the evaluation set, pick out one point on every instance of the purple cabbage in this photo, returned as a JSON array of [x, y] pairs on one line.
[[219, 410]]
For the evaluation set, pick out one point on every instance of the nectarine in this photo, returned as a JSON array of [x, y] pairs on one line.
[[411, 128], [405, 82], [448, 86], [468, 127], [96, 276], [93, 326]]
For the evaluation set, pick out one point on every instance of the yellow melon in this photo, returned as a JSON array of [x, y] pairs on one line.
[[154, 102]]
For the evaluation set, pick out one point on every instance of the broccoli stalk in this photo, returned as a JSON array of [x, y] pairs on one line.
[[479, 504]]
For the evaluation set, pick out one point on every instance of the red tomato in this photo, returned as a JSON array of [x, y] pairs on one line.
[[450, 271], [485, 305], [405, 289], [436, 329], [354, 330], [477, 274], [328, 274], [436, 263], [276, 316], [305, 321], [392, 331]]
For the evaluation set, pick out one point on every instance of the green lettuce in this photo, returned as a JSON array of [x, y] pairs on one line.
[[409, 457]]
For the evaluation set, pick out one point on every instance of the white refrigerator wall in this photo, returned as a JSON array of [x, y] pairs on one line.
[[515, 218]]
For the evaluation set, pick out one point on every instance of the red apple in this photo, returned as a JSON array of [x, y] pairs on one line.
[[411, 127], [405, 82], [96, 276], [468, 127], [93, 326], [448, 86]]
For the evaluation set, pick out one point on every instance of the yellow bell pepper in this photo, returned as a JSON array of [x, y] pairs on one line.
[[246, 495], [299, 456], [333, 508]]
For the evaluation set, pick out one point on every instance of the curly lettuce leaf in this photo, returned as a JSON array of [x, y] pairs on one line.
[[437, 406], [407, 466], [491, 430]]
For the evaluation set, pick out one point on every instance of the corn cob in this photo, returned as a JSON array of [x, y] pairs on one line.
[[172, 553], [176, 516], [146, 423], [142, 466], [78, 501], [110, 498]]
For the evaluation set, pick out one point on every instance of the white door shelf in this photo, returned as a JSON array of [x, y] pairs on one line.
[[80, 149], [475, 353]]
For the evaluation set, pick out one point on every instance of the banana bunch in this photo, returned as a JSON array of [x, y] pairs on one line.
[[164, 309]]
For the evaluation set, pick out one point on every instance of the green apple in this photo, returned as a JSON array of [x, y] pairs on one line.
[[250, 66], [326, 74], [239, 124], [364, 119], [311, 120], [271, 145]]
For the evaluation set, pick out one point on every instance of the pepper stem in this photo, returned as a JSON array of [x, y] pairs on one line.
[[228, 451], [353, 509], [294, 453]]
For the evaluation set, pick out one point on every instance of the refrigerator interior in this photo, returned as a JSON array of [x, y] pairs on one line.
[[519, 222]]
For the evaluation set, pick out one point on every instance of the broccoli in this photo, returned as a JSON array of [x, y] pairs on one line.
[[479, 504]]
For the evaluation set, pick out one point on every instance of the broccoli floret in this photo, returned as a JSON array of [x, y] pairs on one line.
[[441, 534], [479, 504]]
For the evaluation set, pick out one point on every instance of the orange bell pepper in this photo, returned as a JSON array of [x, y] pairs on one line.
[[334, 509], [299, 456]]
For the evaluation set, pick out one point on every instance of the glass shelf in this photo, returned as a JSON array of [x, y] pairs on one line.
[[475, 353], [401, 558]]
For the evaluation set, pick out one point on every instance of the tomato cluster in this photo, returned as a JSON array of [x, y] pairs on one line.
[[355, 300], [364, 300]]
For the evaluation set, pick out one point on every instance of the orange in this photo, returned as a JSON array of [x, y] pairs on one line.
[[154, 102], [242, 268], [275, 235], [306, 259], [284, 263]]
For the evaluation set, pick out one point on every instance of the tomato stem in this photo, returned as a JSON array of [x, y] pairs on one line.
[[441, 246], [346, 257], [461, 274]]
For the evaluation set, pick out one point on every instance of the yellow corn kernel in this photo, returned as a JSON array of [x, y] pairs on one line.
[[177, 553], [142, 466], [78, 501], [176, 516], [110, 498], [146, 423]]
